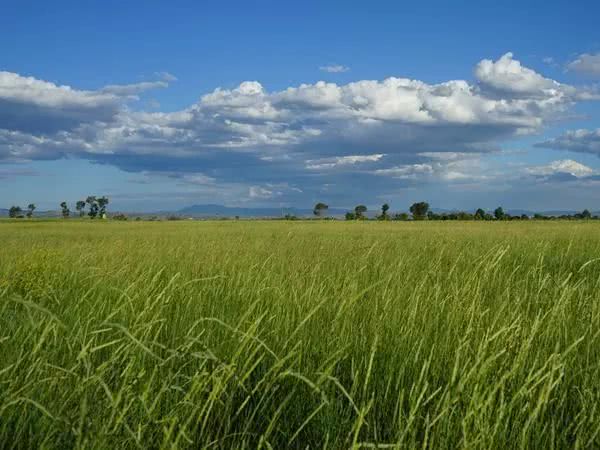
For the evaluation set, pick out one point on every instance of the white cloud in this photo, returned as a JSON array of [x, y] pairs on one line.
[[407, 171], [259, 192], [449, 156], [41, 107], [255, 139], [334, 68], [442, 167], [395, 115], [586, 63], [166, 76], [564, 166], [348, 160], [507, 75]]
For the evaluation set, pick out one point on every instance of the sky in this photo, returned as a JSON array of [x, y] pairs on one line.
[[162, 105]]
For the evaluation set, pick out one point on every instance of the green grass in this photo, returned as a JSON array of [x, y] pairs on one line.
[[300, 334]]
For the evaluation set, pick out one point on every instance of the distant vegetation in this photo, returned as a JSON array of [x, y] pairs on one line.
[[97, 208]]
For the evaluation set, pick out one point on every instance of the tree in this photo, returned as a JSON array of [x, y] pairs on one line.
[[15, 212], [80, 207], [93, 212], [350, 215], [499, 213], [30, 209], [401, 216], [384, 211], [419, 210], [359, 212], [65, 210], [102, 202], [585, 214], [320, 209], [479, 214]]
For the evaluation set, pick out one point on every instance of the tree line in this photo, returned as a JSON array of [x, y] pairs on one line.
[[96, 208], [422, 211]]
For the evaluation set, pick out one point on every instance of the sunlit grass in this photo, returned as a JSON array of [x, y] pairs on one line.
[[299, 334]]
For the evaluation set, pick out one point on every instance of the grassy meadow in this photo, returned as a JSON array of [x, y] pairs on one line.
[[314, 334]]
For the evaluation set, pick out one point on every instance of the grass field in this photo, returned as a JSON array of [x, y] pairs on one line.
[[299, 335]]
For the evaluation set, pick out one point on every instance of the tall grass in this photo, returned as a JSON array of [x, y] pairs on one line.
[[299, 335]]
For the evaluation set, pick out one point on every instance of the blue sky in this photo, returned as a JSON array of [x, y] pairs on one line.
[[160, 105]]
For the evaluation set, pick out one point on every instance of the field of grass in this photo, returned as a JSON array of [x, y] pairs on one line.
[[299, 335]]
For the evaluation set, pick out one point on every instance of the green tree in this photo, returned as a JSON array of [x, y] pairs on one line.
[[102, 202], [479, 214], [15, 212], [80, 207], [585, 214], [384, 211], [320, 209], [499, 213], [359, 212], [350, 216], [93, 212], [419, 210], [65, 210], [30, 209]]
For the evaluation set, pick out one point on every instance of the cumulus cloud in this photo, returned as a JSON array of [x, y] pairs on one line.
[[582, 141], [565, 166], [588, 64], [40, 107], [34, 106], [451, 167], [310, 135], [334, 68], [507, 75]]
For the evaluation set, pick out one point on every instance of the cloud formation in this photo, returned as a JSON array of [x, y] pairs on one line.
[[582, 141], [334, 68], [565, 166], [586, 63], [314, 138]]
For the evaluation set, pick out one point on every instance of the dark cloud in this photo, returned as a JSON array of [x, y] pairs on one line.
[[582, 141]]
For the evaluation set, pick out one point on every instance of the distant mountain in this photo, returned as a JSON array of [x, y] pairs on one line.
[[228, 211]]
